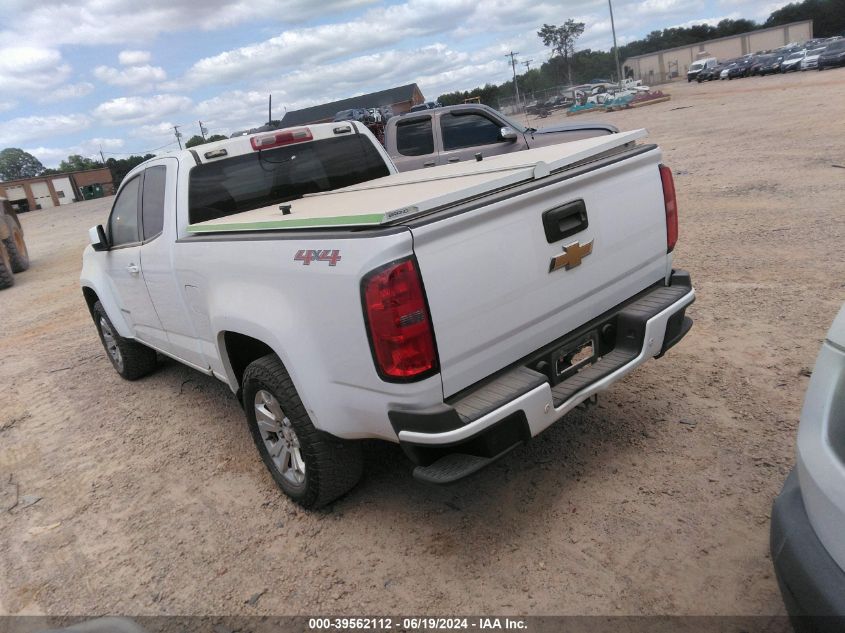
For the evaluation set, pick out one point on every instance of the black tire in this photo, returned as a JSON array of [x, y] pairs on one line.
[[16, 246], [130, 359], [332, 466], [7, 278]]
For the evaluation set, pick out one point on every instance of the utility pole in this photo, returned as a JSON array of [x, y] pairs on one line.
[[615, 47], [103, 158], [203, 130], [513, 55], [178, 135], [527, 65]]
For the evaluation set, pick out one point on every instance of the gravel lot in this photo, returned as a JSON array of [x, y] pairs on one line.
[[657, 501]]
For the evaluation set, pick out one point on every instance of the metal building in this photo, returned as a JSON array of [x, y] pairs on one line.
[[665, 65], [400, 100]]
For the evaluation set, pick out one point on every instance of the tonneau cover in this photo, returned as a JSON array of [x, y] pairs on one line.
[[399, 197]]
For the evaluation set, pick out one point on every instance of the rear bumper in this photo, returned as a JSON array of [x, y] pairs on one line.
[[811, 582], [489, 419]]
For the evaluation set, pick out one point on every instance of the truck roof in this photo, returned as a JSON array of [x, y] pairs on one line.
[[400, 197]]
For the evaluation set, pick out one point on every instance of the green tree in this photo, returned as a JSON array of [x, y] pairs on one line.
[[196, 139], [77, 162], [561, 40], [828, 16], [119, 167], [16, 163]]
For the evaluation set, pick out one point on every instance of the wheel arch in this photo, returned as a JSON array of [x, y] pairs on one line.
[[237, 351], [89, 292]]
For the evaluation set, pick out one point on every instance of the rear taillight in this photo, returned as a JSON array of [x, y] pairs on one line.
[[282, 137], [399, 323], [671, 207]]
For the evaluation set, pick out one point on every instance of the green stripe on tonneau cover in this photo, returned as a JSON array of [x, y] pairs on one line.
[[294, 223]]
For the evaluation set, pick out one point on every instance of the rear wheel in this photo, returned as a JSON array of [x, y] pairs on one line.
[[130, 359], [7, 278], [312, 467], [15, 245]]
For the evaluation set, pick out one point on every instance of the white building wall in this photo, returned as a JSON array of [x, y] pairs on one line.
[[64, 190]]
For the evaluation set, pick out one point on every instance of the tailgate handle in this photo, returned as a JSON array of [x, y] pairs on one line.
[[565, 220]]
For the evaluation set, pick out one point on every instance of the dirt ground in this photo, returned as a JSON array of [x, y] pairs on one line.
[[657, 501]]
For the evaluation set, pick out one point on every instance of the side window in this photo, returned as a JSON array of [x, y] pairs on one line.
[[123, 223], [152, 203], [414, 137], [468, 130]]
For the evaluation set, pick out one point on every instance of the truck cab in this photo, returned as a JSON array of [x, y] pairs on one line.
[[464, 132]]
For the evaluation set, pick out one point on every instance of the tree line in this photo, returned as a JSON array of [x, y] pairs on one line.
[[568, 66]]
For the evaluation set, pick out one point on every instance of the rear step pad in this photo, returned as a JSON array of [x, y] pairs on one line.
[[575, 383], [455, 466], [498, 392]]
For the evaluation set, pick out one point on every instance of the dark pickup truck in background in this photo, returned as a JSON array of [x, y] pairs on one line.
[[456, 133]]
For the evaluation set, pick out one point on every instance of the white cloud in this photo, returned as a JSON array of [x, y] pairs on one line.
[[31, 69], [133, 58], [94, 22], [378, 28], [27, 128], [139, 78], [235, 110], [68, 91], [52, 156], [7, 104], [139, 110]]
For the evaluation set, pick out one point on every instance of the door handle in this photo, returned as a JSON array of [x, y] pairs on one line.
[[133, 269], [455, 159], [429, 164]]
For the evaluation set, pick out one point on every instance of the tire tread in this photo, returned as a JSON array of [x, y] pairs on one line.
[[19, 260], [138, 359]]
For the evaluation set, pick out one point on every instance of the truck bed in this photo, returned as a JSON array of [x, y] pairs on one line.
[[377, 202]]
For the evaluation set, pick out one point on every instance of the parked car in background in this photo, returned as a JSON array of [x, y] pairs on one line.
[[697, 66], [726, 69], [709, 74], [770, 64], [833, 55], [793, 61], [354, 114], [428, 105], [807, 535], [811, 59], [742, 68]]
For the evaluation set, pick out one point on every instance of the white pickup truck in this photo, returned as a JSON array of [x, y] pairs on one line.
[[458, 310]]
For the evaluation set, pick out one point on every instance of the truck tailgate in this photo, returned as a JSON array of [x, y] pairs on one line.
[[487, 268]]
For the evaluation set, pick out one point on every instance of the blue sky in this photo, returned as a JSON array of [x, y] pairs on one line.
[[118, 74]]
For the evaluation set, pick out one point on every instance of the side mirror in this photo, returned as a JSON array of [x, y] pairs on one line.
[[507, 133], [98, 239]]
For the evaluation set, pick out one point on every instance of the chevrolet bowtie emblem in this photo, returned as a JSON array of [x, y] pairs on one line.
[[571, 256]]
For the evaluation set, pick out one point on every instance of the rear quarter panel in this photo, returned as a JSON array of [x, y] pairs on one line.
[[310, 315]]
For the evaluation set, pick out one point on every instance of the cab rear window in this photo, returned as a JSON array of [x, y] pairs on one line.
[[260, 179]]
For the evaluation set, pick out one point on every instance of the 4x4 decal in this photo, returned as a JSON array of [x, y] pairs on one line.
[[308, 256]]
